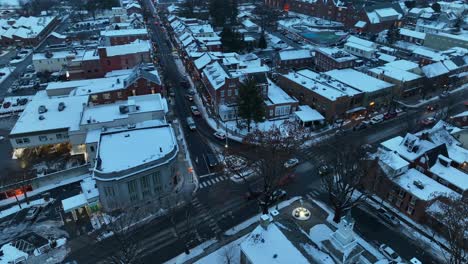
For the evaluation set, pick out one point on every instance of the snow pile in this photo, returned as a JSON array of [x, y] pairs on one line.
[[319, 256], [11, 254], [182, 258]]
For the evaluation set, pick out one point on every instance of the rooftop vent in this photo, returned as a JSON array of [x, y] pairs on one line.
[[123, 109], [61, 106], [127, 135], [42, 109], [41, 117], [418, 184]]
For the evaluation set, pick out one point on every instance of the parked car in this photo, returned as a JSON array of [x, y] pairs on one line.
[[287, 179], [360, 126], [444, 94], [428, 121], [390, 115], [291, 163], [389, 253], [184, 83], [387, 217], [323, 170], [194, 110], [32, 213], [377, 119], [191, 123], [104, 235], [220, 135], [189, 97], [279, 195]]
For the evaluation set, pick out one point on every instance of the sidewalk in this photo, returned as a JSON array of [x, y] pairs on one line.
[[416, 102]]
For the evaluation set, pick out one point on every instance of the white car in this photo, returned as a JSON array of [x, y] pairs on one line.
[[376, 119], [220, 135], [291, 163], [389, 253]]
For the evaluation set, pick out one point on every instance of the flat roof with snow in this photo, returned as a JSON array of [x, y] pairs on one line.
[[124, 32], [295, 54], [53, 119], [111, 112], [358, 80], [451, 175], [141, 146], [410, 147], [428, 188], [137, 46], [276, 95], [307, 114]]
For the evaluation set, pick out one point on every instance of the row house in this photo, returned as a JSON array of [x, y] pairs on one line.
[[116, 86], [123, 36], [95, 64], [419, 170], [300, 58]]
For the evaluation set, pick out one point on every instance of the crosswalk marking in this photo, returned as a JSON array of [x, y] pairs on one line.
[[209, 182]]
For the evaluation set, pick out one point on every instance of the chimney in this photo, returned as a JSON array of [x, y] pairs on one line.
[[265, 220]]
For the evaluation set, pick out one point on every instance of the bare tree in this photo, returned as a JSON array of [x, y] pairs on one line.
[[180, 211], [453, 215], [272, 148], [228, 254], [122, 229], [347, 167]]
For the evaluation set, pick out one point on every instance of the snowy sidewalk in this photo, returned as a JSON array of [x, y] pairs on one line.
[[432, 99], [16, 208]]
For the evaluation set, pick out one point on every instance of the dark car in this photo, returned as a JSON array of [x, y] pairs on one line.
[[184, 84], [279, 195], [323, 170], [360, 126], [389, 115], [212, 160]]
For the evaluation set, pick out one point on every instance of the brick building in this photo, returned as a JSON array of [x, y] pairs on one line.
[[123, 36], [95, 64], [294, 59], [327, 59]]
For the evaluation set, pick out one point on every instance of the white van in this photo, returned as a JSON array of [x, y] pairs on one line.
[[191, 123]]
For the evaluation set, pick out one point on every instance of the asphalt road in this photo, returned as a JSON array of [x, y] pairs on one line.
[[220, 204]]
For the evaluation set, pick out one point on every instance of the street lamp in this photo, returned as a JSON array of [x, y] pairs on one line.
[[23, 165]]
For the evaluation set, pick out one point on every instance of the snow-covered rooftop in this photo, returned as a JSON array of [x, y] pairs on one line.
[[276, 95], [271, 246], [141, 146], [445, 171], [405, 65], [53, 119], [392, 159], [410, 147], [318, 83], [124, 32], [307, 114], [358, 80], [138, 46], [58, 55], [295, 54], [412, 33], [410, 180], [395, 73], [111, 112], [336, 54], [215, 74]]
